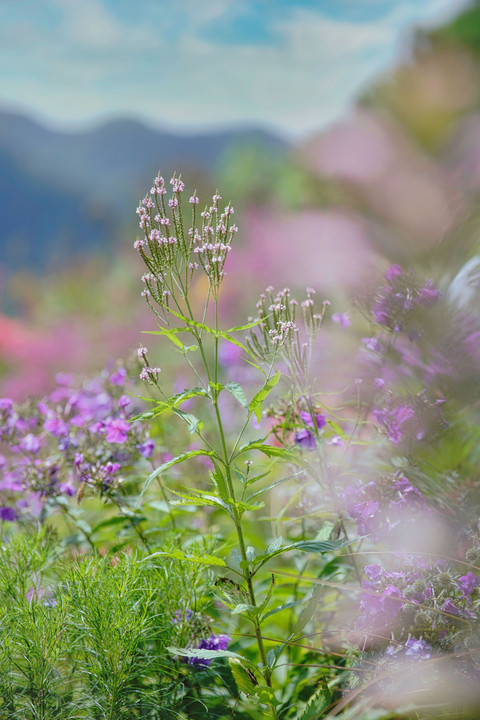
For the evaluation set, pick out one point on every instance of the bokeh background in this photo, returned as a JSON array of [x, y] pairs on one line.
[[345, 132]]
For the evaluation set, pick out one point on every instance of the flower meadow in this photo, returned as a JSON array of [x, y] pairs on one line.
[[220, 525]]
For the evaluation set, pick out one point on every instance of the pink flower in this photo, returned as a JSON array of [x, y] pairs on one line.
[[343, 319], [116, 431]]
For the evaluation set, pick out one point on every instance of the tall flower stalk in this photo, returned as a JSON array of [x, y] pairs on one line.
[[173, 257]]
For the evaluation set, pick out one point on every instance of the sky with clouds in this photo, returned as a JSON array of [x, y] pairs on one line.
[[292, 66]]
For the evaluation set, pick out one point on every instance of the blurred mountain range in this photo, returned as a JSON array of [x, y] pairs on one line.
[[66, 193]]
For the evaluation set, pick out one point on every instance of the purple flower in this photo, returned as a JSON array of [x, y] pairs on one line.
[[428, 294], [373, 572], [111, 467], [119, 376], [55, 425], [8, 514], [124, 401], [305, 439], [6, 404], [30, 443], [67, 488], [418, 649], [146, 448], [342, 319], [214, 642], [449, 607], [320, 420], [393, 272], [116, 430], [180, 616], [467, 583]]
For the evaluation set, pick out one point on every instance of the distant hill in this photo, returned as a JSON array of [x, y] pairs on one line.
[[62, 193]]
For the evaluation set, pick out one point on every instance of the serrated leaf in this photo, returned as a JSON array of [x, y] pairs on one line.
[[317, 705], [169, 464], [198, 559], [192, 421], [244, 609], [244, 679], [265, 694], [238, 392], [219, 483], [244, 507], [256, 404]]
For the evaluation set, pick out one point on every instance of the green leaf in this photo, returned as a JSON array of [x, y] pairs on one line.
[[204, 499], [315, 546], [265, 694], [180, 555], [321, 546], [170, 333], [219, 483], [237, 391], [172, 403], [317, 704], [169, 464], [275, 452], [256, 404], [274, 485], [245, 609], [248, 326], [286, 605], [192, 421], [244, 507], [271, 657], [109, 523], [307, 613], [245, 679], [203, 654]]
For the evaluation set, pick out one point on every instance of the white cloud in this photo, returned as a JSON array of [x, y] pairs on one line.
[[164, 69]]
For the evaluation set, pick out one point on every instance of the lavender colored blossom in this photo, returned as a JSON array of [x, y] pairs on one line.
[[417, 649], [146, 448], [342, 319], [8, 514], [119, 376], [468, 583], [30, 443], [214, 642], [116, 430], [55, 425]]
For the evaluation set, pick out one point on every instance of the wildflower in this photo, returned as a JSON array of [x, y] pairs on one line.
[[342, 319], [30, 443], [306, 438], [116, 430], [214, 642], [468, 583], [417, 649], [146, 448], [119, 376], [8, 514]]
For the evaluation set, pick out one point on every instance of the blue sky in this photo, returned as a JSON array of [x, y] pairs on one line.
[[289, 65]]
